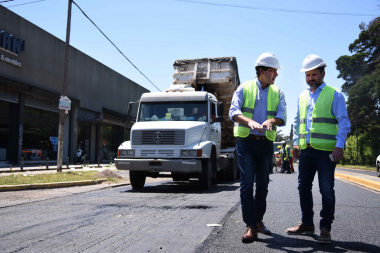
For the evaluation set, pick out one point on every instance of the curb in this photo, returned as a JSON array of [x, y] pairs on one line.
[[361, 181], [49, 185]]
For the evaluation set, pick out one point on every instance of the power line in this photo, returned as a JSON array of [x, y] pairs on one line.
[[115, 46], [6, 1], [23, 3], [274, 9]]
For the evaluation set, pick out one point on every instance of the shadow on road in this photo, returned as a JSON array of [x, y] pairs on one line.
[[184, 187], [295, 244]]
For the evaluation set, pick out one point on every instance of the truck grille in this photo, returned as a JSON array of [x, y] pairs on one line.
[[157, 137]]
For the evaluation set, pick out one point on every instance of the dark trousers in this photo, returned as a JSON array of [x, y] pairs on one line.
[[311, 161], [254, 160], [286, 166]]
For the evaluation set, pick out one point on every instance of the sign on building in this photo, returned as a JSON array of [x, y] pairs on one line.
[[64, 103]]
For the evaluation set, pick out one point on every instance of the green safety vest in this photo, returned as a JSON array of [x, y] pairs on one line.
[[249, 92], [286, 150], [324, 127]]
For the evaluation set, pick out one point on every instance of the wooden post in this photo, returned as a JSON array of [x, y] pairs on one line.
[[22, 164], [64, 91]]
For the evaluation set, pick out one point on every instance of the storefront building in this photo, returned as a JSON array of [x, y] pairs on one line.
[[31, 79]]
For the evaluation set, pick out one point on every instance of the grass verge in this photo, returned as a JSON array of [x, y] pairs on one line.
[[25, 178], [356, 167]]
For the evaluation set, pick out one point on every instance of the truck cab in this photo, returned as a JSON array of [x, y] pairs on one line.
[[176, 131]]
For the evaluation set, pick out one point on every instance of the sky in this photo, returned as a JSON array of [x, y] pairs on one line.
[[153, 34]]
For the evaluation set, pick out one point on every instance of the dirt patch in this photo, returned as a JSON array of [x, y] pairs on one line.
[[107, 174]]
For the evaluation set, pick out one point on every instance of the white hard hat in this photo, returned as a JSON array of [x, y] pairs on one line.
[[283, 142], [311, 62], [268, 60]]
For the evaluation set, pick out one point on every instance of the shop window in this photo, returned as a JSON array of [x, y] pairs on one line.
[[4, 129], [40, 134], [84, 136], [112, 138]]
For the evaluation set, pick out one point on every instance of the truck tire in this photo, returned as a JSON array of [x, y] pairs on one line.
[[232, 169], [378, 169], [205, 175], [137, 179]]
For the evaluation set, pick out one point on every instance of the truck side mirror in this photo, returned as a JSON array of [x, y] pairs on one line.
[[220, 109], [130, 108]]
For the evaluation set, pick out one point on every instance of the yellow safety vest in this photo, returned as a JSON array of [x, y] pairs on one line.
[[249, 92], [324, 127]]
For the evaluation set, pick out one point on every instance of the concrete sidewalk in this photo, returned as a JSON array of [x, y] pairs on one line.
[[355, 176]]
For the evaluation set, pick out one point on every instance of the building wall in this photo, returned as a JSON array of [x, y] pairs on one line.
[[91, 82]]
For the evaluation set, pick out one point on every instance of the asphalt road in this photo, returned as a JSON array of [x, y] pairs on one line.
[[162, 217], [364, 172], [355, 229]]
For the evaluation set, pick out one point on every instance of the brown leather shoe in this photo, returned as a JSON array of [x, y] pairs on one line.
[[250, 234], [301, 229], [260, 227]]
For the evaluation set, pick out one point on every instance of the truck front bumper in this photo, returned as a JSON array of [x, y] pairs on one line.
[[175, 165]]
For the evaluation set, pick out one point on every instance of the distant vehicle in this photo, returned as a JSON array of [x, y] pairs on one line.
[[378, 165]]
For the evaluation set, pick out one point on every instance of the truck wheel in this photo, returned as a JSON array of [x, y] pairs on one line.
[[378, 169], [205, 175], [232, 169], [137, 179]]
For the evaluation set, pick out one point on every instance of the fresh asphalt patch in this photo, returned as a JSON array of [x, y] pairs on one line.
[[161, 217], [355, 228]]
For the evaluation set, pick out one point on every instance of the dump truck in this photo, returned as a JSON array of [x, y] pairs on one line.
[[185, 132]]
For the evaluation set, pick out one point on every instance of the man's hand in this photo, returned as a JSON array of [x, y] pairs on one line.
[[254, 125], [338, 154], [296, 152], [268, 124]]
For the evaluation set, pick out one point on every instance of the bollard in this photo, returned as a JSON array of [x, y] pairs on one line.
[[11, 168], [84, 161], [22, 163], [67, 162], [47, 163], [99, 161]]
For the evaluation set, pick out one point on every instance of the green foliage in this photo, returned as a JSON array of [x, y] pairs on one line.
[[365, 147], [366, 54], [361, 72]]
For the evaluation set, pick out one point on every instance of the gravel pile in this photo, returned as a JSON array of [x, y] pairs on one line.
[[107, 173]]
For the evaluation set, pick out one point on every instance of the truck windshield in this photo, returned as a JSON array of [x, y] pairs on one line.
[[173, 111]]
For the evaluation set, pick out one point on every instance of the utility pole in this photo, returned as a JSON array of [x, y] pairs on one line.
[[64, 91]]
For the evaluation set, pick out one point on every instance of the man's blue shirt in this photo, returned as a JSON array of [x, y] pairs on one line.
[[260, 110], [338, 110]]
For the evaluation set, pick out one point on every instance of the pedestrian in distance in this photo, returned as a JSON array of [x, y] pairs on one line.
[[286, 158], [320, 130], [257, 108]]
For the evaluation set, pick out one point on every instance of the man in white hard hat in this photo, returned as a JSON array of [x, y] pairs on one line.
[[257, 108], [320, 130]]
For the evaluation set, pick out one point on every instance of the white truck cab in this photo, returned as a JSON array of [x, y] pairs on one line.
[[178, 132]]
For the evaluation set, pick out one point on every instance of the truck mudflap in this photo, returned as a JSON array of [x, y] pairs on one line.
[[159, 165]]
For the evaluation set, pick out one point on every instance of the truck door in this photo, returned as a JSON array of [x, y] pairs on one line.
[[215, 128]]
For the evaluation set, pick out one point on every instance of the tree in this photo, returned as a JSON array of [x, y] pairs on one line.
[[366, 55], [361, 72]]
